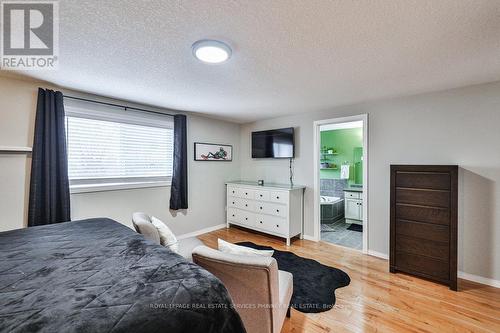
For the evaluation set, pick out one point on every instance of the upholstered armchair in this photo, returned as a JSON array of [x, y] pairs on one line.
[[260, 292]]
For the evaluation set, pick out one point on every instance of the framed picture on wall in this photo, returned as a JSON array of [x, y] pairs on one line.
[[212, 152]]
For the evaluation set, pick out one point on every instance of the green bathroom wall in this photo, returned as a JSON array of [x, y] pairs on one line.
[[348, 144]]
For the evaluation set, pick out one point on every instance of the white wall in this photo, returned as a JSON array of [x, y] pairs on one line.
[[460, 126], [206, 179]]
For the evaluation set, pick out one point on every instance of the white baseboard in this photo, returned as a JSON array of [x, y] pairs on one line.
[[311, 238], [378, 254], [479, 279], [202, 231]]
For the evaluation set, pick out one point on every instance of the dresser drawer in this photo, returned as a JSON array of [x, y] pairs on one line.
[[234, 215], [429, 180], [247, 219], [272, 224], [245, 204], [433, 232], [418, 264], [278, 197], [262, 195], [433, 198], [271, 209], [352, 195], [241, 217], [240, 203], [417, 246], [245, 193], [232, 191], [423, 214], [233, 201]]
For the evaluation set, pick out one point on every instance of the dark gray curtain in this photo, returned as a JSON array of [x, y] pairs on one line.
[[49, 187], [179, 189]]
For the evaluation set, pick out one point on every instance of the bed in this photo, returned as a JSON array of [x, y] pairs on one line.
[[97, 275]]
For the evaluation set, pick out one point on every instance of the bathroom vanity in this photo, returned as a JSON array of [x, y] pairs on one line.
[[353, 205]]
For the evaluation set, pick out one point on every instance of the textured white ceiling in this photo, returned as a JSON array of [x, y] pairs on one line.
[[288, 56]]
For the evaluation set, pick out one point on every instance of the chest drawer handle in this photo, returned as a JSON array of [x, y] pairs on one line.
[[277, 225], [277, 210], [233, 215], [277, 198], [246, 218], [260, 222], [233, 191], [260, 207], [246, 205], [261, 195], [246, 193], [233, 202]]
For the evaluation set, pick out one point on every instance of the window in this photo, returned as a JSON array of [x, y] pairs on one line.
[[112, 148]]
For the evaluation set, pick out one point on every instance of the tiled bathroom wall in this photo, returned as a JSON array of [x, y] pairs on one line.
[[333, 187]]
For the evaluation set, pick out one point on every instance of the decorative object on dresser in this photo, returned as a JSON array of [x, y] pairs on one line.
[[424, 221], [273, 209], [212, 152]]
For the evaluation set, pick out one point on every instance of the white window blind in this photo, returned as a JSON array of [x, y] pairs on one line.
[[109, 146]]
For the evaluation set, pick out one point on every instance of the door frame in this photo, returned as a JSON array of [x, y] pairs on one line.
[[317, 141]]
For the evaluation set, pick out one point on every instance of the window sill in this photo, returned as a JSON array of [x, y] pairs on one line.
[[87, 188]]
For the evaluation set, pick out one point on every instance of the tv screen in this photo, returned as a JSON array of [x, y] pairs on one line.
[[277, 143]]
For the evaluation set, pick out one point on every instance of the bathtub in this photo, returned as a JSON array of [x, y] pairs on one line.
[[332, 209], [326, 200]]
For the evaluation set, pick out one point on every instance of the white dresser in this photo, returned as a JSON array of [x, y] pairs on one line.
[[273, 209]]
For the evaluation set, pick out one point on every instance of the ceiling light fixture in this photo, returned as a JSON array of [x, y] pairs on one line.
[[211, 51]]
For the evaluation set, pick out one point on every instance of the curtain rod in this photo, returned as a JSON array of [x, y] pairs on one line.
[[116, 105]]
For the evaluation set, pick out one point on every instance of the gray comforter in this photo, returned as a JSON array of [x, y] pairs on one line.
[[99, 276]]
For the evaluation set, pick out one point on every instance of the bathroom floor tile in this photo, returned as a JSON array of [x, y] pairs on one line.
[[337, 233]]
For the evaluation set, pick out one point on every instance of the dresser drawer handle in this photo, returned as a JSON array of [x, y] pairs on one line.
[[277, 210], [260, 207], [233, 215], [246, 205], [260, 222], [261, 195], [233, 191], [277, 225], [246, 193], [233, 202], [246, 218], [277, 197]]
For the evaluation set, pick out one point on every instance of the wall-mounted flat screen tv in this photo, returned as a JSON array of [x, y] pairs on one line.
[[277, 143]]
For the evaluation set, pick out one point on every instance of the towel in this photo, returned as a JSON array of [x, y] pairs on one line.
[[344, 172]]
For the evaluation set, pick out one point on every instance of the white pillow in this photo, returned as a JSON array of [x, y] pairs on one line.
[[167, 237], [242, 250]]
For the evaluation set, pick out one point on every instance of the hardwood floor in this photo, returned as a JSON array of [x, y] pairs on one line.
[[378, 301]]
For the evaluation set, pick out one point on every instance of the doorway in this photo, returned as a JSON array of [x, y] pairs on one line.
[[341, 181]]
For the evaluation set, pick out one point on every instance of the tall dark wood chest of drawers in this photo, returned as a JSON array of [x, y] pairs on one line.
[[424, 221]]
